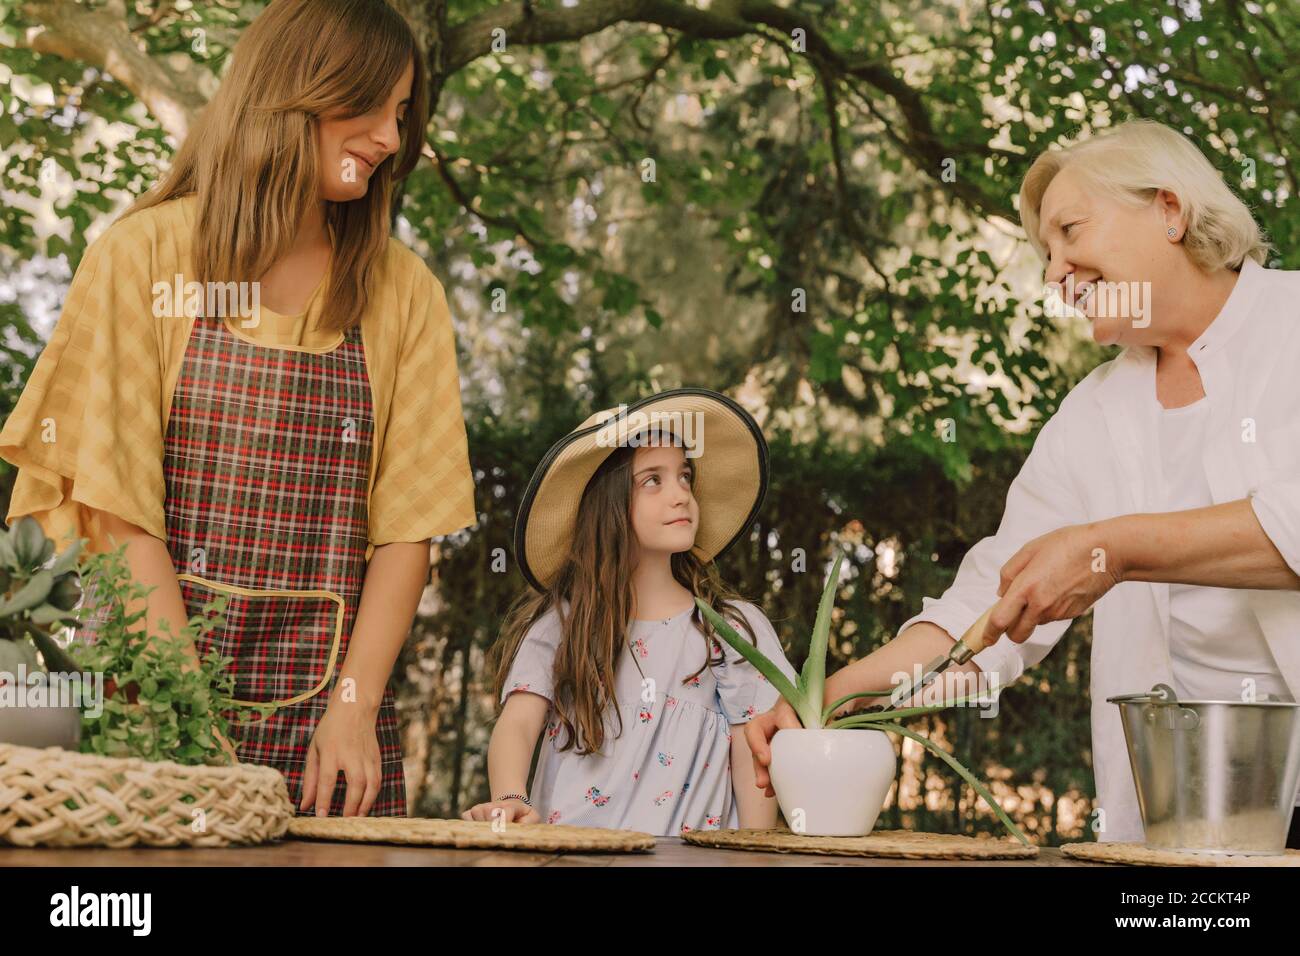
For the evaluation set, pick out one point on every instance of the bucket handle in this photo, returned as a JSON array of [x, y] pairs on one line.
[[1174, 718], [1162, 693]]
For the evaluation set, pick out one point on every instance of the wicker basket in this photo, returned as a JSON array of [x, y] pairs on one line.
[[58, 798]]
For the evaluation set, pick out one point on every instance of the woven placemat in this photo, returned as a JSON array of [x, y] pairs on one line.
[[415, 831], [59, 798], [1139, 854], [890, 844]]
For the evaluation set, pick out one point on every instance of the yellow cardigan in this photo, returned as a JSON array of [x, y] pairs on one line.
[[89, 426]]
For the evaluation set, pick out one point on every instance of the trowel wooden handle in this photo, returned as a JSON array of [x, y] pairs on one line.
[[972, 642]]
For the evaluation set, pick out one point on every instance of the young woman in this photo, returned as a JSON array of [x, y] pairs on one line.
[[609, 654], [1166, 489], [297, 457]]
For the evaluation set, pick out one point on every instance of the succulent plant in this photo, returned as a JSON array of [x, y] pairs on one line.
[[40, 592]]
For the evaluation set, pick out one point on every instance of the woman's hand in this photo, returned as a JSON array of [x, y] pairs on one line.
[[1054, 577], [512, 811], [759, 733], [345, 740]]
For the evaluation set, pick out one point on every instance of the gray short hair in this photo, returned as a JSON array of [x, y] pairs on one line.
[[1135, 159]]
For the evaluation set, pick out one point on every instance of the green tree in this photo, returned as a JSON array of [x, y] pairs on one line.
[[809, 204]]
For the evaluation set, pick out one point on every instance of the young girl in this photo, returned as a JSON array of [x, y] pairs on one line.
[[296, 459], [609, 660]]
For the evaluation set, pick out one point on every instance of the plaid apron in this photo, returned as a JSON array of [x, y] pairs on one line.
[[267, 465]]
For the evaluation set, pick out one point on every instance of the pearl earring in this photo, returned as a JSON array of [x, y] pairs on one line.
[[1172, 232]]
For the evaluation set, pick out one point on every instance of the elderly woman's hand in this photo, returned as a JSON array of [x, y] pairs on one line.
[[1054, 577]]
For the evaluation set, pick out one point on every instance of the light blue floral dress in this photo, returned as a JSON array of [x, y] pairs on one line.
[[670, 771]]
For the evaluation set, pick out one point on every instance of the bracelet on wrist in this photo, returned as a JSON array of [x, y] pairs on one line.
[[522, 798]]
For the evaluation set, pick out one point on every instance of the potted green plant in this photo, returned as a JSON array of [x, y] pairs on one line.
[[159, 704], [833, 781], [41, 591], [140, 697], [150, 732]]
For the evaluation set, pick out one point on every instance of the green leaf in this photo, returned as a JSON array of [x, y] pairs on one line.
[[56, 658], [813, 678], [807, 715], [965, 774], [31, 594], [48, 614], [866, 717], [68, 559], [831, 708], [8, 131]]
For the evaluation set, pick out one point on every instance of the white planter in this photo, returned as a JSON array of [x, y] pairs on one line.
[[832, 782], [41, 726], [24, 720]]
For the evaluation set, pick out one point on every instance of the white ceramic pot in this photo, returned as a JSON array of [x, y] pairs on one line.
[[24, 721], [832, 782], [41, 727]]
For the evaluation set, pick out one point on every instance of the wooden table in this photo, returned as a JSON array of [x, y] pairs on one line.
[[669, 851]]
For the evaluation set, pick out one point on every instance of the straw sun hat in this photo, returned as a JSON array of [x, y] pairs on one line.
[[722, 441]]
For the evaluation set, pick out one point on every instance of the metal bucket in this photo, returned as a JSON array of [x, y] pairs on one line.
[[1213, 776]]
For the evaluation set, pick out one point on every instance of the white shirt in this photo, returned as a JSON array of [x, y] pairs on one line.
[[1099, 457], [1215, 642]]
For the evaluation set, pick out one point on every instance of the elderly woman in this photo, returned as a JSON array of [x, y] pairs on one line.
[[1165, 491]]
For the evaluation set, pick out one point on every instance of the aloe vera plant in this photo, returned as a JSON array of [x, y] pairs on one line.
[[807, 694]]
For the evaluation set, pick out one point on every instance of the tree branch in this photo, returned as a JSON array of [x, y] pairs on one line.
[[470, 202], [523, 25], [100, 38]]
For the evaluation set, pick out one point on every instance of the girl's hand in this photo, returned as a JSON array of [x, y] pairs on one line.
[[511, 811], [345, 740], [759, 733], [1055, 577]]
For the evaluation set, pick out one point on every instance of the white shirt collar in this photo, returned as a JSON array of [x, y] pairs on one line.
[[1241, 302], [1136, 363]]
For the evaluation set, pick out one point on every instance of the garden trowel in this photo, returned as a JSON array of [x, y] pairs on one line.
[[971, 643]]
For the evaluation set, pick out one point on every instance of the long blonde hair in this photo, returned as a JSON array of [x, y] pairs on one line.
[[595, 582], [251, 156], [1131, 162]]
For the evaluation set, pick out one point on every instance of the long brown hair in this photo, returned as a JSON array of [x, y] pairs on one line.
[[251, 157], [595, 582]]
